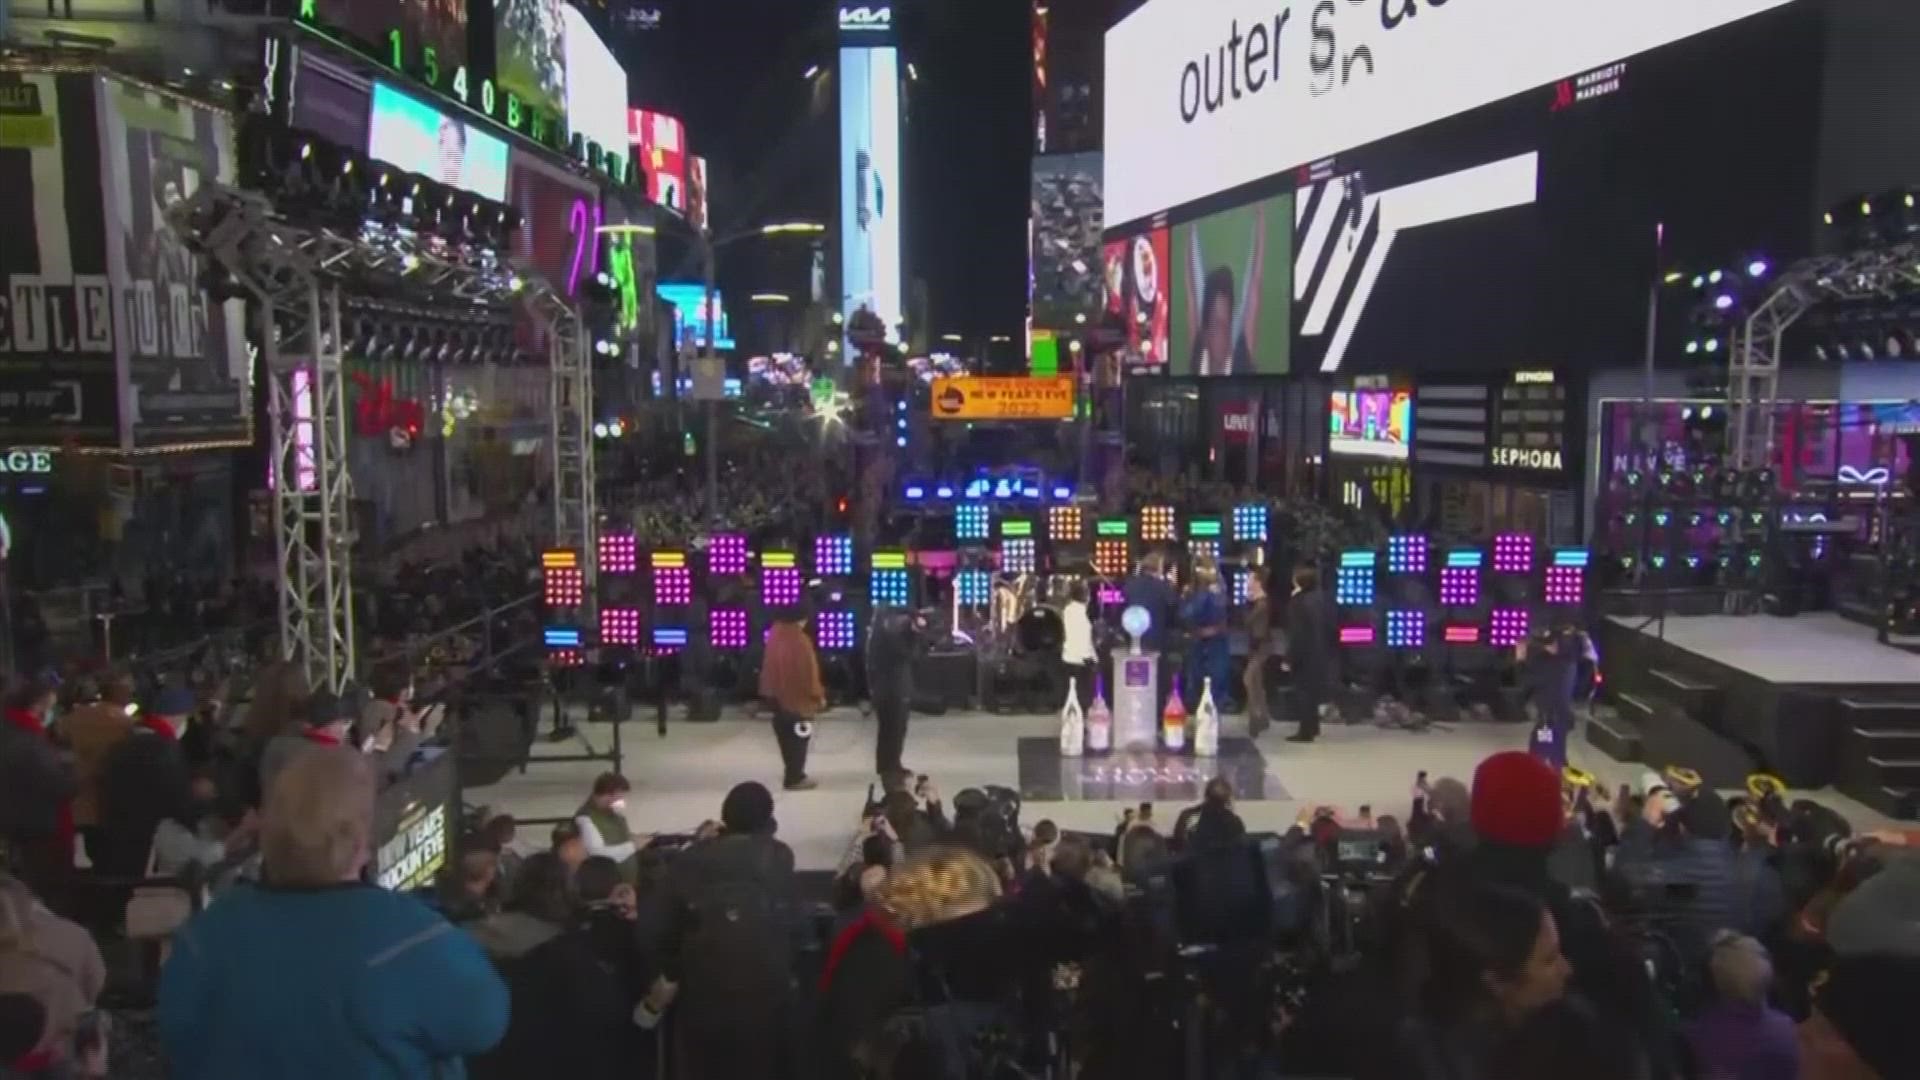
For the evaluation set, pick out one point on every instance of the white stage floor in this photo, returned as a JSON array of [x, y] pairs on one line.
[[678, 781], [1820, 648]]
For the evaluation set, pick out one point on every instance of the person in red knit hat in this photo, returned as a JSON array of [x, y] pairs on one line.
[[1517, 802]]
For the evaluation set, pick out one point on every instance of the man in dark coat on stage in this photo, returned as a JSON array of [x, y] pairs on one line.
[[1310, 652]]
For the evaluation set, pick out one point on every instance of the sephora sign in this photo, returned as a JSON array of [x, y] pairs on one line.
[[1202, 97]]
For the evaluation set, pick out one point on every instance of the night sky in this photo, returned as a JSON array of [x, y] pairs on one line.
[[735, 70]]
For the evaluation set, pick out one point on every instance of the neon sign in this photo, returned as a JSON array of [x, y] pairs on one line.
[[865, 18]]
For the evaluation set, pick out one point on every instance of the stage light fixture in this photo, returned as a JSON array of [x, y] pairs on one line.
[[727, 628], [833, 555], [835, 631], [1156, 524], [1017, 555], [620, 626], [669, 640], [1250, 523], [1566, 583], [727, 554], [1406, 629], [619, 553], [1242, 580], [1507, 627], [1459, 585], [1353, 582], [1407, 554], [779, 585], [1513, 553], [973, 588], [1208, 550], [1110, 558], [1356, 636], [1462, 635], [889, 586], [1064, 524], [563, 582], [672, 579], [970, 522]]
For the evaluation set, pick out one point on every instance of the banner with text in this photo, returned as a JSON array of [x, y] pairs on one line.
[[1010, 398]]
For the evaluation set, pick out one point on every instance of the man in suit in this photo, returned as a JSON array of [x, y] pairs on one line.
[[1310, 653]]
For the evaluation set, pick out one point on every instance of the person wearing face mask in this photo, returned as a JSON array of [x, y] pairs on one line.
[[603, 821], [37, 785]]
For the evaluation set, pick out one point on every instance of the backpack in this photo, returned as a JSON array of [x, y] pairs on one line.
[[740, 935]]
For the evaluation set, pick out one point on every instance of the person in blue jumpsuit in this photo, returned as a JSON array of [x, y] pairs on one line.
[[1204, 614]]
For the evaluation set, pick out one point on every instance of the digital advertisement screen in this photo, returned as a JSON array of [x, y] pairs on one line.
[[1067, 222], [697, 192], [871, 206], [531, 53], [1137, 283], [1185, 83], [1233, 303], [420, 138], [596, 88], [689, 300], [1370, 423], [660, 148], [406, 28]]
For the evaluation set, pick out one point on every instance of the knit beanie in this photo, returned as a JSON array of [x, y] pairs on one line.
[[1516, 801], [748, 808], [1868, 1000]]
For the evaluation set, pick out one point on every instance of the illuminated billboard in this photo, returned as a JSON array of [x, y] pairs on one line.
[[420, 138], [689, 300], [660, 149], [870, 187], [596, 90]]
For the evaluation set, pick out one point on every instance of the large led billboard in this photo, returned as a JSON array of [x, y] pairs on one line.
[[660, 149], [420, 138], [1233, 304], [596, 89], [1066, 239], [870, 184], [530, 52], [689, 300], [1186, 83]]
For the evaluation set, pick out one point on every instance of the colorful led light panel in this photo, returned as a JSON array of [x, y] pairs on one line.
[[561, 637], [1566, 585], [1250, 523], [1407, 554], [1353, 586], [1112, 527], [833, 555], [668, 640], [1156, 523], [1110, 558], [973, 587], [1015, 527], [890, 588], [1580, 557], [1064, 524], [1240, 579], [672, 586], [834, 631], [1513, 554], [1467, 557], [1406, 629], [619, 553], [1203, 528], [566, 658], [970, 522], [559, 559], [1507, 627], [565, 587], [727, 628], [890, 560], [1204, 549], [779, 586], [784, 560], [1463, 635], [1018, 556], [727, 554], [620, 626], [1459, 586], [1356, 635]]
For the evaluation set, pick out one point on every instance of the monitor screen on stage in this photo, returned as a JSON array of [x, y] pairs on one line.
[[419, 138], [1370, 423]]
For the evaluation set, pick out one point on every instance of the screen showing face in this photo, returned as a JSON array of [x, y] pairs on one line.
[[1232, 309], [419, 138], [530, 45], [1370, 423]]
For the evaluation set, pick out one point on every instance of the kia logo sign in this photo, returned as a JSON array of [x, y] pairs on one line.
[[866, 18]]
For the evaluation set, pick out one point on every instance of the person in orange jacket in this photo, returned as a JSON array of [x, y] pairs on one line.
[[790, 682]]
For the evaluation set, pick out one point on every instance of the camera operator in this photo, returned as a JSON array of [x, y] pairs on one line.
[[893, 644]]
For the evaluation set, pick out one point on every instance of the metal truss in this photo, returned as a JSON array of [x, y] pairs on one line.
[[296, 277], [1753, 383], [570, 390]]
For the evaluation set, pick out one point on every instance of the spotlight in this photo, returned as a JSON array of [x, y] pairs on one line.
[[1756, 268]]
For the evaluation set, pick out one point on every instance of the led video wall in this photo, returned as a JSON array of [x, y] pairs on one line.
[[872, 273]]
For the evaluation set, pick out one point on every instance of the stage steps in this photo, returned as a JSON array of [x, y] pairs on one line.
[[1880, 754], [1614, 735], [1700, 700]]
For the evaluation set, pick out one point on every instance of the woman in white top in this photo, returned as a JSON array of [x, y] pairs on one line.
[[1077, 656]]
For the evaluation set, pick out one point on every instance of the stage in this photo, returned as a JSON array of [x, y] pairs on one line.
[[678, 781], [1813, 698]]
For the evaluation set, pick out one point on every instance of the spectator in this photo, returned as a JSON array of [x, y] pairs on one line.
[[539, 910], [315, 974], [568, 846], [497, 836], [602, 820], [92, 730], [470, 891], [1212, 822], [143, 780], [52, 960], [790, 681], [329, 721], [194, 834], [1569, 1041], [1738, 1036], [23, 1027], [1882, 915], [733, 928], [1862, 1022], [37, 784], [1682, 866]]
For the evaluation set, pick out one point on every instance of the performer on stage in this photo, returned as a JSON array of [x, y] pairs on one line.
[[1549, 671], [892, 645], [790, 682], [1310, 652]]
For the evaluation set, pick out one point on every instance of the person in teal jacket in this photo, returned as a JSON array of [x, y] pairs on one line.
[[313, 975]]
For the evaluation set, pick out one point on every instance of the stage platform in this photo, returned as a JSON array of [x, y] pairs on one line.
[[678, 781], [1812, 698]]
